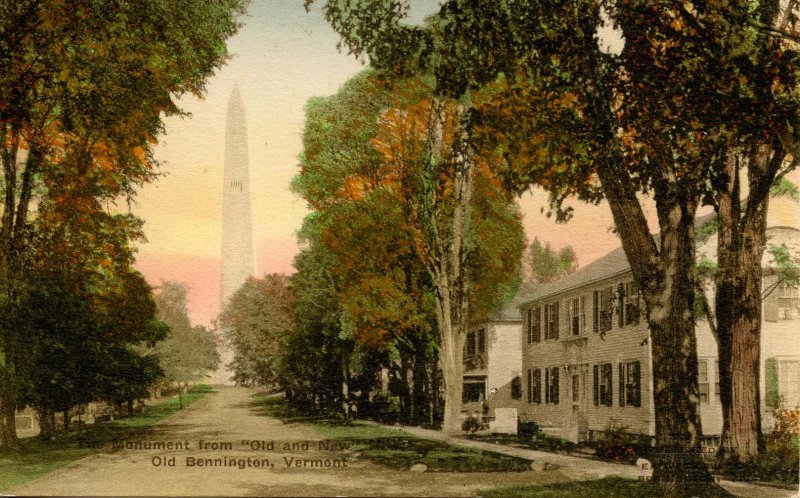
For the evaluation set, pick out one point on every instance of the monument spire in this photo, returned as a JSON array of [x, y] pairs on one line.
[[238, 262]]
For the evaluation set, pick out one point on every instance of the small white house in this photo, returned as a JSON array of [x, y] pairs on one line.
[[492, 363]]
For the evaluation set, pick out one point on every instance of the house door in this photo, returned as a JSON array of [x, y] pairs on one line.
[[579, 424]]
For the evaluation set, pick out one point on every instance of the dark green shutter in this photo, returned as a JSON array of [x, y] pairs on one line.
[[621, 384], [621, 305], [771, 381], [595, 312], [555, 385]]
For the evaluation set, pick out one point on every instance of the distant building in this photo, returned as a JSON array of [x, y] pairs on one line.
[[586, 361], [493, 362]]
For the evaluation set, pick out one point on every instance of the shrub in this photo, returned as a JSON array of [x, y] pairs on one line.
[[778, 463], [619, 445], [385, 408], [527, 430], [472, 423]]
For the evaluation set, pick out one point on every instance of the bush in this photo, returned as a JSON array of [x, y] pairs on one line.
[[472, 423], [527, 430], [779, 462], [619, 445]]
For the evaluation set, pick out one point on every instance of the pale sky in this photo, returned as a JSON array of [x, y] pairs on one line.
[[281, 57]]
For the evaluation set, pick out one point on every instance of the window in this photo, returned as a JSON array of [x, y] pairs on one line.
[[789, 383], [474, 391], [603, 304], [551, 321], [702, 380], [716, 384], [534, 325], [603, 391], [577, 317], [630, 390], [631, 303], [470, 343], [788, 302], [481, 341], [551, 385], [516, 388], [535, 386]]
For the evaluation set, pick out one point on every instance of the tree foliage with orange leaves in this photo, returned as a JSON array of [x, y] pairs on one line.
[[83, 88], [384, 211]]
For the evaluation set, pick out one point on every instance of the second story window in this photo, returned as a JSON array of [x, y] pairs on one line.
[[481, 340], [534, 319], [603, 309], [577, 315], [551, 320], [470, 343]]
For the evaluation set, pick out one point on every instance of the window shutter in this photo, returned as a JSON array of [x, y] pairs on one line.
[[537, 386], [595, 311], [528, 324], [621, 305], [547, 385], [557, 316], [555, 384], [771, 381], [596, 386], [530, 386], [621, 384], [537, 325]]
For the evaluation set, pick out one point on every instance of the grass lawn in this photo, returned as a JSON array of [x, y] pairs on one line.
[[36, 457], [609, 487], [396, 449]]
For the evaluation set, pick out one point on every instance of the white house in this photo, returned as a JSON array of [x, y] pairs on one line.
[[586, 358], [493, 363]]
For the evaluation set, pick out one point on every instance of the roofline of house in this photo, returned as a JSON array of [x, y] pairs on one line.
[[570, 289]]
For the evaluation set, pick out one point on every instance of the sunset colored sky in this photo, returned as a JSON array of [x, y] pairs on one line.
[[280, 58]]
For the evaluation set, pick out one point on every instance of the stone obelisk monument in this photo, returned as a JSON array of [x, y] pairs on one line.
[[238, 263]]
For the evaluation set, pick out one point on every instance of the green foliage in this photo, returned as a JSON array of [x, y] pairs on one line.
[[607, 487], [187, 352], [547, 265], [785, 188], [778, 463], [527, 431], [472, 423], [255, 320], [619, 445]]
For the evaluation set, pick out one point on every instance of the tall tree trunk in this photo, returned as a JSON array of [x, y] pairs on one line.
[[666, 276], [671, 319], [47, 426], [740, 248], [8, 402], [446, 224]]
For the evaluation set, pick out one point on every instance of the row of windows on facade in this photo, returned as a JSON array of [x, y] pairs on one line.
[[547, 318], [546, 381], [782, 384]]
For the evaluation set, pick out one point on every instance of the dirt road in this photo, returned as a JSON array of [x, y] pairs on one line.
[[220, 445]]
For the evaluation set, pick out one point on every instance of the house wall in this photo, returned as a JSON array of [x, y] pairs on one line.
[[577, 355], [504, 364]]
